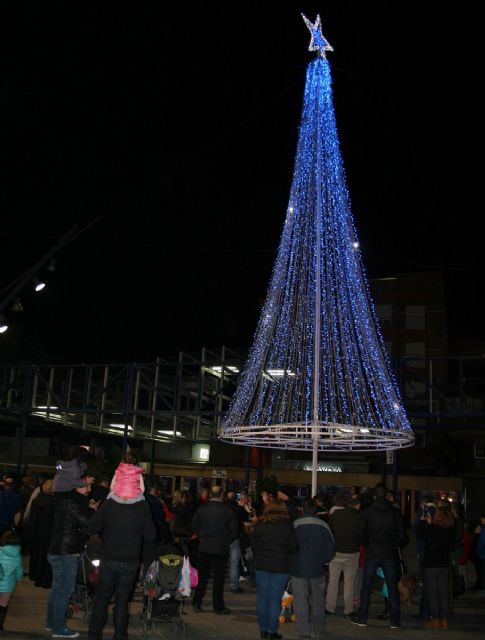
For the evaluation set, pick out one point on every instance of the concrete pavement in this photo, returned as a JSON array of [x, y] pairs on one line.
[[27, 613]]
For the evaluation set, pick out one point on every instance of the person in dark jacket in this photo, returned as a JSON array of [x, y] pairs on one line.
[[316, 548], [381, 532], [69, 533], [345, 526], [152, 496], [241, 541], [38, 531], [216, 526], [124, 522], [438, 535], [274, 541], [10, 503]]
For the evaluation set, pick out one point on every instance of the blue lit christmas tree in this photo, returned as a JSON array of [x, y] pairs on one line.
[[318, 376]]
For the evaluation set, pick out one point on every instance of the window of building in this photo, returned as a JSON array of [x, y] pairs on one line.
[[416, 316], [384, 313], [416, 350]]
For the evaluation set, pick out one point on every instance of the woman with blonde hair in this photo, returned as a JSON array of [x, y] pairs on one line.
[[438, 535], [274, 541]]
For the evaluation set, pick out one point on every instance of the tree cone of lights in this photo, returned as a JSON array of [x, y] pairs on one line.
[[317, 376]]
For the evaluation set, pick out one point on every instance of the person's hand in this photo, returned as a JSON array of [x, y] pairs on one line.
[[428, 518], [282, 496], [94, 505]]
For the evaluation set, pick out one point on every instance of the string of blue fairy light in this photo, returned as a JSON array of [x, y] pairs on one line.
[[274, 403]]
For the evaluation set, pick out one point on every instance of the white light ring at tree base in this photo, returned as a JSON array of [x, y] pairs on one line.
[[330, 437]]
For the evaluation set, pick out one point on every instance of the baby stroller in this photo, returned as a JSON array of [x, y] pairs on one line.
[[87, 577], [163, 601]]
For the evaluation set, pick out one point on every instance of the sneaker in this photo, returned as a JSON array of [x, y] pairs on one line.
[[196, 605], [238, 590], [329, 613], [396, 625], [356, 620], [66, 633], [222, 612], [384, 615]]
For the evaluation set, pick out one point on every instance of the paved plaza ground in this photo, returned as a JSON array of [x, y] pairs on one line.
[[27, 613]]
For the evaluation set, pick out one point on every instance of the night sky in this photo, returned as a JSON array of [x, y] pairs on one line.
[[174, 128]]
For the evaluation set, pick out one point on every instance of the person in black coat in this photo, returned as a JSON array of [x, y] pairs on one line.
[[69, 533], [274, 541], [38, 532], [124, 523], [216, 526], [381, 533], [241, 542], [438, 535]]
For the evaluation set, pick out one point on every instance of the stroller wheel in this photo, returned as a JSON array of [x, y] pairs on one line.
[[180, 630]]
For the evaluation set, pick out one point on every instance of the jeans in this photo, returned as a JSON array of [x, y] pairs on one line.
[[437, 589], [309, 595], [115, 577], [424, 602], [389, 567], [64, 572], [218, 562], [348, 563], [271, 586], [234, 559]]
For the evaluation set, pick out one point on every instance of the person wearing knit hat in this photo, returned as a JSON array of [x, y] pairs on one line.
[[68, 538], [68, 475], [124, 522]]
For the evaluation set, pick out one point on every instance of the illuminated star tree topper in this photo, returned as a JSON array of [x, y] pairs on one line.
[[318, 42]]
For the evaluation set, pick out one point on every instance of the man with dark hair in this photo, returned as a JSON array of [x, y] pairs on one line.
[[242, 540], [68, 537], [125, 524], [345, 526], [381, 532], [315, 550], [10, 503], [152, 493], [216, 525]]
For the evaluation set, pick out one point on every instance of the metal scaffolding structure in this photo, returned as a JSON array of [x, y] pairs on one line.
[[188, 397], [161, 401]]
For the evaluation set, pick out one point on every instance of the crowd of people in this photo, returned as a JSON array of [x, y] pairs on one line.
[[271, 541]]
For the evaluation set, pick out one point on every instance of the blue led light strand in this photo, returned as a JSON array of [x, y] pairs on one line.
[[317, 375]]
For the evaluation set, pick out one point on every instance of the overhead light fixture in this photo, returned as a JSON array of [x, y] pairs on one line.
[[17, 305], [280, 373], [3, 323], [226, 368], [167, 432], [38, 284], [118, 425]]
